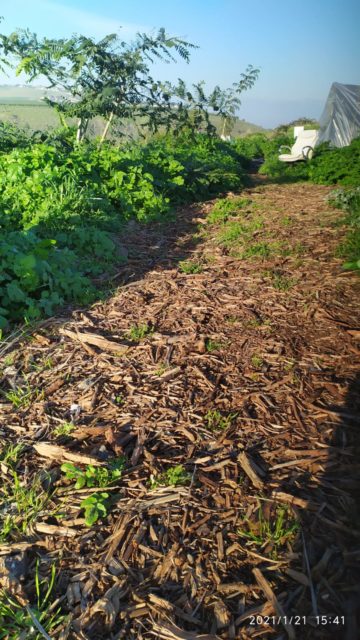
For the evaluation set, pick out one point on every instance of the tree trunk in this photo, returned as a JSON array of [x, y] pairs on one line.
[[106, 128], [81, 129]]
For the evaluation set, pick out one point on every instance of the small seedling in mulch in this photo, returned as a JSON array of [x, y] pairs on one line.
[[139, 331], [119, 399], [216, 421], [46, 363], [64, 429], [213, 345], [10, 454], [271, 531], [172, 477], [252, 323], [9, 360], [17, 621], [96, 505], [23, 502], [289, 365], [22, 396], [282, 283], [188, 266], [257, 361], [286, 221], [163, 367]]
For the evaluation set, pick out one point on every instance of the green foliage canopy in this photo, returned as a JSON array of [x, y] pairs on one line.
[[112, 78]]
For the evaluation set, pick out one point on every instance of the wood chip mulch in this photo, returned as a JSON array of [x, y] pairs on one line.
[[253, 388]]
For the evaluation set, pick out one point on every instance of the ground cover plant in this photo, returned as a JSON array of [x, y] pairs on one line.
[[349, 201], [60, 207]]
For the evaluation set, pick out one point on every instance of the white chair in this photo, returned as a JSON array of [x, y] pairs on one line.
[[303, 148]]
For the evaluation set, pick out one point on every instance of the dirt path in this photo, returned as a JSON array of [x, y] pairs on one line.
[[247, 375]]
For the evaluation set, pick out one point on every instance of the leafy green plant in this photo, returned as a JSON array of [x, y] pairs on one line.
[[59, 206], [216, 421], [93, 476], [95, 507], [172, 477], [336, 166]]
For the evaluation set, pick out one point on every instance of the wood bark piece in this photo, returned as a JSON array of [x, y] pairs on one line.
[[248, 467], [96, 340], [167, 631], [55, 452], [54, 530], [270, 595]]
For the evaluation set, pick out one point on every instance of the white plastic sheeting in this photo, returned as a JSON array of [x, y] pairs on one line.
[[340, 120]]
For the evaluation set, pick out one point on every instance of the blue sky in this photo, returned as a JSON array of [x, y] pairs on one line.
[[300, 47]]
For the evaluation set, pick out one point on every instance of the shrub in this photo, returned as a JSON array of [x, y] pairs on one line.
[[336, 166], [349, 200]]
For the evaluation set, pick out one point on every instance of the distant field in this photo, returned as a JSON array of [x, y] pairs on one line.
[[24, 106], [32, 115]]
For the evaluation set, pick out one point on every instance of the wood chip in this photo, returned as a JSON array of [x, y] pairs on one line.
[[270, 595], [96, 340], [55, 452], [248, 467]]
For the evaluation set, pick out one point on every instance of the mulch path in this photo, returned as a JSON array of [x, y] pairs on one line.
[[249, 379]]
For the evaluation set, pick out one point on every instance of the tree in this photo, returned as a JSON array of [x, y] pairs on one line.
[[112, 78]]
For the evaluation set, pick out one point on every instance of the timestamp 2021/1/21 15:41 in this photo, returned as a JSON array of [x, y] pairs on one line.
[[314, 621]]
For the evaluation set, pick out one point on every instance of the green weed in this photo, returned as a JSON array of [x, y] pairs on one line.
[[17, 621], [46, 363], [161, 369], [257, 361], [252, 323], [94, 476], [213, 345], [258, 250], [22, 503], [21, 397], [226, 208], [187, 266], [64, 429], [172, 477], [11, 453], [216, 421], [282, 283], [119, 399], [139, 332], [95, 507], [273, 531]]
